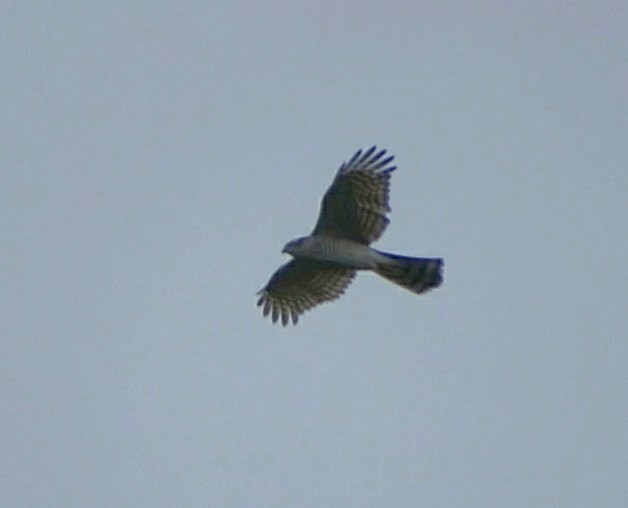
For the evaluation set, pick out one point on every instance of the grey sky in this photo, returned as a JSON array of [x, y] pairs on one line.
[[156, 157]]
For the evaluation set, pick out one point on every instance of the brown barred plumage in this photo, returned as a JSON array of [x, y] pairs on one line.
[[352, 215]]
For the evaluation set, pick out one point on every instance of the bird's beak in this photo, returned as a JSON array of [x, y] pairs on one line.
[[284, 251]]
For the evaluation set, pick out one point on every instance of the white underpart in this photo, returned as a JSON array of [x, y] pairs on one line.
[[344, 252]]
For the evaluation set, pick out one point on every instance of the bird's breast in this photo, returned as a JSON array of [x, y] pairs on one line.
[[343, 252]]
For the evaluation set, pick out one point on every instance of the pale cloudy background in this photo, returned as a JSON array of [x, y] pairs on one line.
[[155, 157]]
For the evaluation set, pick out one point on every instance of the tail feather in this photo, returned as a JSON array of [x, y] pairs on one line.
[[415, 274]]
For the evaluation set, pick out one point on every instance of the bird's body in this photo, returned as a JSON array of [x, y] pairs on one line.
[[353, 215], [336, 250]]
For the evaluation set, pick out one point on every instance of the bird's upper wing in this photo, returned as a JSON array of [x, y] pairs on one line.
[[355, 205], [300, 285]]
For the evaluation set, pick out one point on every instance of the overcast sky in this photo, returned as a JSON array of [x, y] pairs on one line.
[[154, 159]]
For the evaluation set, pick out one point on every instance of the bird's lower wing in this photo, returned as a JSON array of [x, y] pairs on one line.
[[300, 285]]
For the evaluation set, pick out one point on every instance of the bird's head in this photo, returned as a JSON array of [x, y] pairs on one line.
[[296, 246]]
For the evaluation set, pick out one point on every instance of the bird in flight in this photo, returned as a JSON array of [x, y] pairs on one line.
[[352, 216]]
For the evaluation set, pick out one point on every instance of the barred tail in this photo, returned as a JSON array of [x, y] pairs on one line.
[[416, 274]]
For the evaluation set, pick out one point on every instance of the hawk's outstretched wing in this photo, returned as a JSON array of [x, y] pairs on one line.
[[300, 285], [355, 206]]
